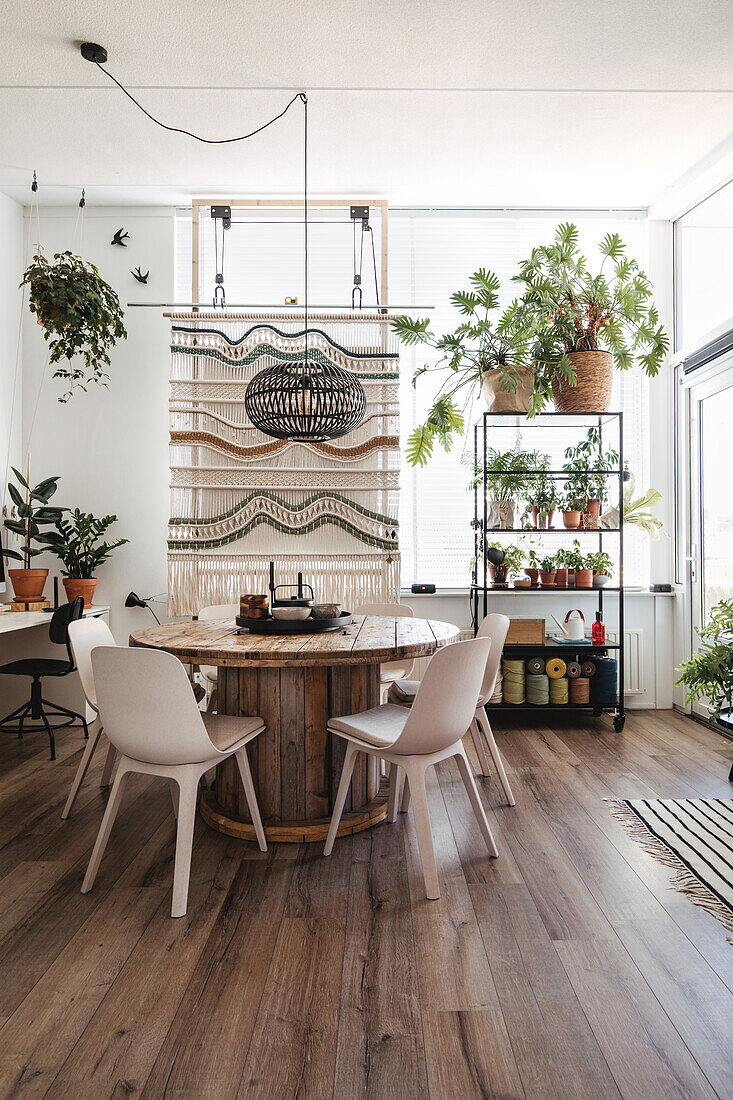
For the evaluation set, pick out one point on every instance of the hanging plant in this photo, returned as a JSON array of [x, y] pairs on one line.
[[81, 317]]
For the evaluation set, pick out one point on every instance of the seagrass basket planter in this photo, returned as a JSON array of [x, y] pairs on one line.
[[592, 392]]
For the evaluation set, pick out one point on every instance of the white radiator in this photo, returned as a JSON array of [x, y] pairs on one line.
[[633, 659]]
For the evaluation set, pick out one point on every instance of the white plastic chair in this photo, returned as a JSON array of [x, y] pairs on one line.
[[151, 717], [404, 692], [391, 670], [414, 740], [214, 613], [84, 636]]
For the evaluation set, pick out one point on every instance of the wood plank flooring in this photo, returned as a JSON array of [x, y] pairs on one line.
[[565, 969]]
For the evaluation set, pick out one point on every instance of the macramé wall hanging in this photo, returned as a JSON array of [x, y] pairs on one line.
[[240, 498]]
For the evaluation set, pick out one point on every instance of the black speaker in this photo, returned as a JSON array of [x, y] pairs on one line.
[[423, 589]]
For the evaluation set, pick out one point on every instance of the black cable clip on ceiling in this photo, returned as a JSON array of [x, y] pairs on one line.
[[361, 213], [221, 214]]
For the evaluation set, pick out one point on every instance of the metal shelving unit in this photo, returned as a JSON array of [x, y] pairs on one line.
[[482, 590]]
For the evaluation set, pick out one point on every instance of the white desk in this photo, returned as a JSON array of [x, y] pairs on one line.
[[11, 621]]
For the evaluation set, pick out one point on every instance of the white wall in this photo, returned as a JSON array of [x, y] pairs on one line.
[[110, 446], [11, 272]]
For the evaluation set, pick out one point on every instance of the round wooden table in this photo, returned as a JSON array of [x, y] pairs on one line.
[[295, 683]]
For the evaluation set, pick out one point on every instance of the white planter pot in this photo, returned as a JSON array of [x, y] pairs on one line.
[[600, 579]]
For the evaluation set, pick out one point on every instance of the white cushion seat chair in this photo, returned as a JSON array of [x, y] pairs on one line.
[[150, 715], [214, 613], [416, 739], [404, 692], [84, 636], [391, 671]]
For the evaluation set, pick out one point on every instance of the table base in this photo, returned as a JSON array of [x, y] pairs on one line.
[[292, 832]]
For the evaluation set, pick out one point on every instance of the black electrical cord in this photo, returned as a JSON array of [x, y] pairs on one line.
[[187, 133]]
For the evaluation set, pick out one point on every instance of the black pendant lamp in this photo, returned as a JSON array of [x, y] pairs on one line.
[[308, 399]]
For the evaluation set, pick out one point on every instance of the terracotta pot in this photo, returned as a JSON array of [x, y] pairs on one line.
[[28, 584], [547, 578], [583, 578], [591, 515], [594, 379], [535, 513], [498, 400], [571, 519], [80, 586], [533, 574], [561, 578]]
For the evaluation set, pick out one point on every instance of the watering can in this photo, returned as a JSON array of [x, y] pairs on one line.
[[573, 630]]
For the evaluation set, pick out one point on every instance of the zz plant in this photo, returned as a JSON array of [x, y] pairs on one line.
[[81, 317], [76, 542], [571, 309]]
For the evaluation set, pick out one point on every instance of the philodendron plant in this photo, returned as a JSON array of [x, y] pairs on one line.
[[81, 317], [478, 346], [708, 675]]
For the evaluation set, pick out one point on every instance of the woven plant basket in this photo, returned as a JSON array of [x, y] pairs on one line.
[[498, 400], [594, 378]]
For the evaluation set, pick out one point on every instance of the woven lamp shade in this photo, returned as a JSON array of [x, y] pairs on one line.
[[305, 401]]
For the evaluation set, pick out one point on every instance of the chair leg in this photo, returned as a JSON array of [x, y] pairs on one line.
[[344, 783], [483, 761], [49, 731], [405, 803], [249, 791], [113, 805], [495, 755], [109, 764], [416, 778], [471, 789], [81, 771], [175, 793], [395, 790], [188, 785], [213, 701]]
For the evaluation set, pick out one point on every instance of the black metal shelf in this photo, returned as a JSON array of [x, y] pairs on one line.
[[481, 590]]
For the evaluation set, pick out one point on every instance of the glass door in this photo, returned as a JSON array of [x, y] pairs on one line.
[[710, 549]]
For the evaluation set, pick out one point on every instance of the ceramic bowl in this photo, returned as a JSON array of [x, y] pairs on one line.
[[291, 613], [326, 610]]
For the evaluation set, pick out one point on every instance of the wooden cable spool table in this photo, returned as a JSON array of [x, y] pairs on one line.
[[295, 683]]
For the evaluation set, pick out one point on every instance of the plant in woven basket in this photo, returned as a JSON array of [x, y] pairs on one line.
[[76, 542], [573, 310], [708, 675], [477, 348], [81, 317]]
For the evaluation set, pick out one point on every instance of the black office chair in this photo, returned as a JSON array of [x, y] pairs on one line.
[[38, 667]]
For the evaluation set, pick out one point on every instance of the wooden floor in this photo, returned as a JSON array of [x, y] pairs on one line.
[[566, 968]]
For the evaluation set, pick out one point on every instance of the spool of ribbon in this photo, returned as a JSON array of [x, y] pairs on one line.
[[604, 687], [574, 670], [535, 666], [559, 691], [538, 689], [580, 690], [589, 668], [555, 668]]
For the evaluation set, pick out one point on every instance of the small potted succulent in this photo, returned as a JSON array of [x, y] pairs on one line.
[[34, 514], [76, 542], [548, 571], [532, 568], [602, 566]]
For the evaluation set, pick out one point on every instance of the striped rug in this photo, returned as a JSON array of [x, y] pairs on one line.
[[694, 838]]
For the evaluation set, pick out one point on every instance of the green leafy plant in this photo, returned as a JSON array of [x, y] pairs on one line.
[[548, 564], [513, 557], [509, 473], [574, 558], [600, 562], [587, 464], [32, 517], [81, 317], [477, 346], [76, 542], [570, 309], [533, 562], [637, 509], [708, 675], [542, 494]]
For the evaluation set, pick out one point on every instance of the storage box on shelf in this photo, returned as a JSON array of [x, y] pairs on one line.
[[482, 591]]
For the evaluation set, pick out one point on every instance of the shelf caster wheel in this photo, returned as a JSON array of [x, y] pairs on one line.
[[619, 722], [597, 712]]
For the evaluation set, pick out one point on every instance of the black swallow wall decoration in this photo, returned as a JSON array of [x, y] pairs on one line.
[[120, 237], [137, 274]]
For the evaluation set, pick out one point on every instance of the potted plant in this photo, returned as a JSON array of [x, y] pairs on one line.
[[636, 508], [29, 583], [708, 675], [602, 566], [572, 503], [513, 558], [532, 569], [542, 497], [561, 570], [587, 467], [480, 355], [76, 542], [586, 322], [80, 314], [547, 571], [576, 561], [507, 475]]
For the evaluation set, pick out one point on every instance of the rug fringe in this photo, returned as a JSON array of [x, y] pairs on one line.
[[682, 880]]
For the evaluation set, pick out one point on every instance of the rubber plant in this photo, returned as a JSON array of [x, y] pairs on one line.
[[33, 515], [573, 310], [80, 314], [476, 347], [708, 675]]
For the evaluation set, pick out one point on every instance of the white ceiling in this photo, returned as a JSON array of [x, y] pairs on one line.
[[476, 102]]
